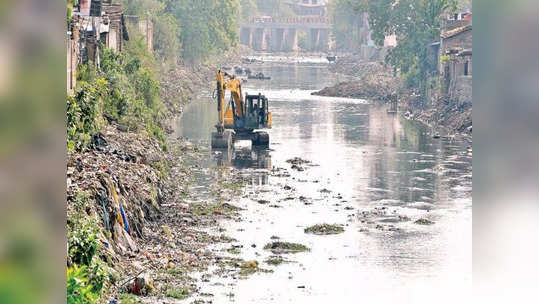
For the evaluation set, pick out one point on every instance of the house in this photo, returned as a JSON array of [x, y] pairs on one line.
[[455, 61], [94, 24]]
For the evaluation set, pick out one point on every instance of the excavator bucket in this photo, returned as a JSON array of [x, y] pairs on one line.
[[221, 140]]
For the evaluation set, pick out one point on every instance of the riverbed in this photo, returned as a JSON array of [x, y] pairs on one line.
[[374, 173]]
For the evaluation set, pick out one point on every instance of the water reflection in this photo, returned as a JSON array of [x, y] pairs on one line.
[[243, 158], [247, 158]]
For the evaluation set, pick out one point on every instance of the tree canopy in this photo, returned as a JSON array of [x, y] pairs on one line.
[[416, 24], [190, 30]]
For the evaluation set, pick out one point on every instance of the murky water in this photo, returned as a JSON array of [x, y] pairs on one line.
[[368, 159]]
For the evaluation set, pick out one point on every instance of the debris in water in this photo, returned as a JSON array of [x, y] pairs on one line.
[[324, 229], [285, 247], [423, 221]]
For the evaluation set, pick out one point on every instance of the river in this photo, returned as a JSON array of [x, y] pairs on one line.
[[383, 173]]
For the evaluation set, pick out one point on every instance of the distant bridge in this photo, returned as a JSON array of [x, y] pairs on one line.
[[281, 33]]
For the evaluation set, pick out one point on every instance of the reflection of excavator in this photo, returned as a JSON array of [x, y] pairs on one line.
[[239, 118]]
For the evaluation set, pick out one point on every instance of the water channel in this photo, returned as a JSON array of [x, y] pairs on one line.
[[370, 161]]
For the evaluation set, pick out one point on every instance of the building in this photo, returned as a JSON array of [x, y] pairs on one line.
[[455, 60], [94, 24]]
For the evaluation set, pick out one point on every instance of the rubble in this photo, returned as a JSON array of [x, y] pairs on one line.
[[373, 80]]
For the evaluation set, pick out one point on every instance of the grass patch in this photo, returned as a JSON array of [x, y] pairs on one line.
[[286, 247], [275, 260], [179, 294], [215, 208], [175, 271], [324, 229], [128, 298], [162, 168]]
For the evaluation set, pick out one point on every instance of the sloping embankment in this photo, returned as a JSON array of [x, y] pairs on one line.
[[375, 81]]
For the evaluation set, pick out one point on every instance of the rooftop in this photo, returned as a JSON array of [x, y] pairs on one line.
[[456, 31]]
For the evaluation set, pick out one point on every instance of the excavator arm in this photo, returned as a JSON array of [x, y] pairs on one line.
[[227, 115]]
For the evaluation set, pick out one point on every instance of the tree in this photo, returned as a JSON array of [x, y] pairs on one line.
[[416, 23], [248, 9], [207, 27], [348, 19]]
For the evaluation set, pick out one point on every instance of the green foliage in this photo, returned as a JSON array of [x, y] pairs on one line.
[[128, 298], [125, 90], [208, 27], [79, 289], [162, 168], [166, 38], [444, 58], [348, 24], [179, 294], [416, 23], [248, 9], [274, 8], [82, 241], [192, 30], [87, 276], [83, 113], [69, 10]]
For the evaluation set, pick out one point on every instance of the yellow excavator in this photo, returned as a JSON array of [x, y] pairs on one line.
[[238, 119]]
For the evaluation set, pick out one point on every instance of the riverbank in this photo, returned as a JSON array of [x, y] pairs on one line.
[[134, 224], [376, 81]]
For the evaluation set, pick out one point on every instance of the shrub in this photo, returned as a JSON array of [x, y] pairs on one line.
[[79, 291], [125, 90], [83, 113]]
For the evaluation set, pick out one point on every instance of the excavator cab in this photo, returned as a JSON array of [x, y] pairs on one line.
[[239, 118], [257, 113]]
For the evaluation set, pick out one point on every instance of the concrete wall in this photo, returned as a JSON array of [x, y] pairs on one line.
[[463, 90], [72, 59]]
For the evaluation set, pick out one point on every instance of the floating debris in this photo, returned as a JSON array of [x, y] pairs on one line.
[[286, 247], [423, 221], [324, 229]]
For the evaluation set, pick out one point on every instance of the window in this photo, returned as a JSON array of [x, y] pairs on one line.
[[466, 68]]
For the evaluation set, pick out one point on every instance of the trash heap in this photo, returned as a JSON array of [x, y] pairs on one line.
[[121, 173]]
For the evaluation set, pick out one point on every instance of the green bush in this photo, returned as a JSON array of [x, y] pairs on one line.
[[125, 90], [79, 290], [82, 242], [83, 113]]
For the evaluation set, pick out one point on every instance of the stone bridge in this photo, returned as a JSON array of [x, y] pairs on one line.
[[281, 33]]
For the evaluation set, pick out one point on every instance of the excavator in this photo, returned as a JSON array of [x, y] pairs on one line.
[[239, 118]]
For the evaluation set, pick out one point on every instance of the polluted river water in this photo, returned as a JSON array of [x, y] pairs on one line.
[[403, 198]]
